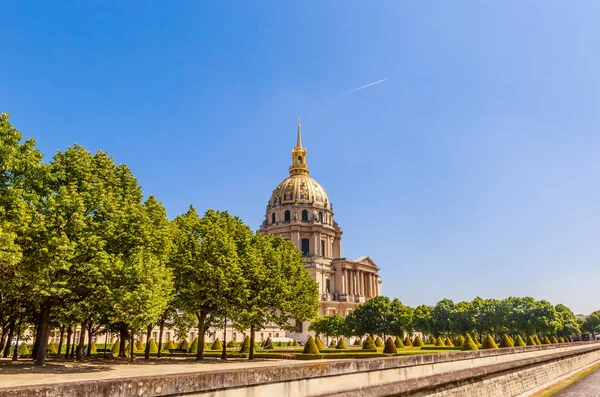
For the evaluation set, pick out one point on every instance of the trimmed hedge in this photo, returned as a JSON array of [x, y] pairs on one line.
[[506, 342], [369, 344], [489, 342], [531, 341], [319, 343], [418, 342], [459, 340], [333, 343], [153, 346], [440, 342], [398, 343], [245, 348], [545, 341], [553, 340], [390, 347], [357, 342], [217, 345], [537, 340], [311, 347], [469, 344], [93, 348], [139, 346], [115, 348], [341, 344], [448, 342], [519, 342], [23, 350], [379, 342], [407, 342]]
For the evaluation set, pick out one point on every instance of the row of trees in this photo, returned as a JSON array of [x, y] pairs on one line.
[[81, 244], [513, 316]]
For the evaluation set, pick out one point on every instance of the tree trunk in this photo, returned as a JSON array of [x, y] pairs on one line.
[[160, 335], [69, 334], [251, 353], [105, 342], [147, 350], [224, 352], [11, 332], [201, 318], [3, 337], [38, 334], [60, 341], [40, 360], [123, 332], [81, 340], [90, 331], [131, 356]]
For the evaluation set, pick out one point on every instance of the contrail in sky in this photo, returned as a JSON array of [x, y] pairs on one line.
[[362, 87]]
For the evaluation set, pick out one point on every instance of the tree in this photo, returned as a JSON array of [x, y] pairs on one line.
[[568, 320], [592, 323], [208, 274], [372, 317], [422, 319], [442, 316]]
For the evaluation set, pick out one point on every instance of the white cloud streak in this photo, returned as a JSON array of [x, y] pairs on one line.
[[362, 87]]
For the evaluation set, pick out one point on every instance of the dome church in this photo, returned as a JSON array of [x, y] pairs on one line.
[[300, 210]]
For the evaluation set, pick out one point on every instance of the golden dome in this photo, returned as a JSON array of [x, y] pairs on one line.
[[300, 189]]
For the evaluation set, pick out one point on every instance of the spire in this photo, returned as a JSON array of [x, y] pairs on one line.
[[299, 140]]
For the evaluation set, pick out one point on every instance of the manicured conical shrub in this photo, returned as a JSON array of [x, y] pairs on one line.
[[357, 342], [469, 344], [439, 342], [432, 340], [398, 343], [553, 340], [171, 345], [545, 341], [537, 340], [115, 348], [154, 346], [390, 347], [448, 342], [194, 346], [489, 342], [369, 344], [319, 343], [139, 346], [379, 342], [231, 344], [311, 347], [531, 341], [506, 342], [341, 344], [217, 345], [127, 348], [333, 343], [93, 348], [561, 340], [245, 348], [520, 342], [52, 348], [459, 340], [407, 342], [511, 339], [184, 345], [23, 350], [268, 344], [476, 341], [418, 342]]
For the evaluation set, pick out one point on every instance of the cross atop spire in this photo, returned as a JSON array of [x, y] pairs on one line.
[[299, 140]]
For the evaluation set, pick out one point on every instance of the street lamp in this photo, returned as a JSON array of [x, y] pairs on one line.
[[15, 353]]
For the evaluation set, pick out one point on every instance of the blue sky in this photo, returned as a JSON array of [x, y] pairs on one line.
[[471, 170]]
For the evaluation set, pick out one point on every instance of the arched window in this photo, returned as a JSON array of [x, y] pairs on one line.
[[273, 218], [286, 216], [304, 216], [320, 216], [299, 159]]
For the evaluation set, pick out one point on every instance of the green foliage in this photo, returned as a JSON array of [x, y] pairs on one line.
[[531, 341], [418, 342], [183, 345], [245, 348], [319, 343], [380, 315], [469, 344], [333, 343], [23, 350], [357, 342], [440, 342], [341, 344], [139, 346], [171, 345], [369, 344], [561, 340], [489, 342], [52, 348], [194, 346], [407, 342], [432, 340], [398, 343], [217, 345], [537, 340], [310, 347], [390, 347], [448, 342], [506, 342], [379, 342], [231, 344], [153, 346], [93, 348], [296, 344]]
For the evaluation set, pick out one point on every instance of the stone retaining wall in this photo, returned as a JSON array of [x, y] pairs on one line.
[[500, 372]]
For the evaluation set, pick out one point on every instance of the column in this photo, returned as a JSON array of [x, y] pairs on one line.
[[355, 281], [361, 282], [370, 285]]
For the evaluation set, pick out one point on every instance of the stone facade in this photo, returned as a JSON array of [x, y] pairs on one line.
[[300, 211]]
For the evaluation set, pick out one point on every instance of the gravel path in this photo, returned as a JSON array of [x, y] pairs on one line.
[[588, 386]]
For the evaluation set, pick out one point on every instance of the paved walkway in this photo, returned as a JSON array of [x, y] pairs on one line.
[[588, 386], [24, 373]]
